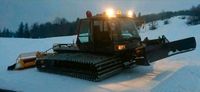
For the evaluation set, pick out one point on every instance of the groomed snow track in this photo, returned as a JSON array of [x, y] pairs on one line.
[[81, 65]]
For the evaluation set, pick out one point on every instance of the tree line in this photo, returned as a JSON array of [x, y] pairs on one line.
[[6, 33], [59, 27], [62, 27], [194, 13], [193, 19]]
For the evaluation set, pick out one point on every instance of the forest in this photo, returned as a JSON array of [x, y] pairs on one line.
[[62, 27]]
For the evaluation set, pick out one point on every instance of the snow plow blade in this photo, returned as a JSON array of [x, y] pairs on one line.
[[24, 60], [157, 52]]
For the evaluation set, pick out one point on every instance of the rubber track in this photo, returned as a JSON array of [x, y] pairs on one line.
[[81, 65]]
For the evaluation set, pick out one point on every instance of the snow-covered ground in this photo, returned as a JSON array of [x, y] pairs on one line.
[[179, 73]]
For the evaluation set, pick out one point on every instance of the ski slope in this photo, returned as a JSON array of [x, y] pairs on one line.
[[179, 73]]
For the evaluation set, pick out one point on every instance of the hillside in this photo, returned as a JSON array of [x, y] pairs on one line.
[[179, 73]]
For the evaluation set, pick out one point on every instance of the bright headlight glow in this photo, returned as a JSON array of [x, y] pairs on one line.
[[130, 13], [110, 13], [121, 47]]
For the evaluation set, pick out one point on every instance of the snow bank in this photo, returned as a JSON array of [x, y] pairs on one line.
[[179, 73]]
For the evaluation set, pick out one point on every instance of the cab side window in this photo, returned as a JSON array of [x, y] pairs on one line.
[[84, 31]]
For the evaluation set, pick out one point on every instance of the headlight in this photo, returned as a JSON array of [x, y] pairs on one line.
[[129, 14], [121, 47], [110, 13]]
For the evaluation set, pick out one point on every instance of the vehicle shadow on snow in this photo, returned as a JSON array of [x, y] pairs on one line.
[[135, 79], [137, 73], [129, 74]]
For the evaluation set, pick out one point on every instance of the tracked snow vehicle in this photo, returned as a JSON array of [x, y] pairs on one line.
[[107, 45]]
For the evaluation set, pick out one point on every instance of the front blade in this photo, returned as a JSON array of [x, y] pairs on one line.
[[157, 52]]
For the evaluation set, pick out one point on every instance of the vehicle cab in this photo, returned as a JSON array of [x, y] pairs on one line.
[[105, 34]]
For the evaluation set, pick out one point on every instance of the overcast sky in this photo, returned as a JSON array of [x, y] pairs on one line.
[[12, 12]]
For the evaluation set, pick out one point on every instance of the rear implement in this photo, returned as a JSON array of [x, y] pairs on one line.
[[24, 60]]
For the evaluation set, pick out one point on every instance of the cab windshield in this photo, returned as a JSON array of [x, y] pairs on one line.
[[123, 28]]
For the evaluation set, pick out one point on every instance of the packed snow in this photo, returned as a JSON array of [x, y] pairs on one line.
[[179, 73]]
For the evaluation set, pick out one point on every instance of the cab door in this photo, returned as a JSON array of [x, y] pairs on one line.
[[101, 36], [84, 35]]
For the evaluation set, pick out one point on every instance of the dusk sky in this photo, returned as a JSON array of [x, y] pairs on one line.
[[12, 12]]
